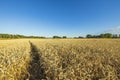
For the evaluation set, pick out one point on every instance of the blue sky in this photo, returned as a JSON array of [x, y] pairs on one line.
[[58, 17]]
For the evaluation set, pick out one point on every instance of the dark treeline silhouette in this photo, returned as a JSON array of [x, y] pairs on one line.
[[78, 37], [54, 37], [57, 37], [105, 35], [16, 36]]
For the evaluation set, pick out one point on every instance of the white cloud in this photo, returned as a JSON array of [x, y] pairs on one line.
[[115, 30]]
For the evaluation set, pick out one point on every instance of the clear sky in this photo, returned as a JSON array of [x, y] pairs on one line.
[[58, 17]]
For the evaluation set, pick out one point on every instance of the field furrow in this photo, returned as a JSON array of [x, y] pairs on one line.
[[36, 70]]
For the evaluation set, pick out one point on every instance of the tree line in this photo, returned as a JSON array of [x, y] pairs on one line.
[[105, 35], [16, 36]]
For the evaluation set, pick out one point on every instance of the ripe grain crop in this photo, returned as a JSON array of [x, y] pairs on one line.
[[85, 59], [14, 59], [60, 59]]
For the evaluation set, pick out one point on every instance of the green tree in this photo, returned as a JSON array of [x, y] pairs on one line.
[[108, 35], [56, 37], [114, 36], [89, 36], [64, 37]]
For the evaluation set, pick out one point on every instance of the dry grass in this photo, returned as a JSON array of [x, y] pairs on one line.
[[60, 59]]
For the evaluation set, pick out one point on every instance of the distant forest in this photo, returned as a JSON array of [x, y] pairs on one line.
[[17, 36]]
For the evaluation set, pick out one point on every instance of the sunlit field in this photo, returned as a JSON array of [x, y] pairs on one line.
[[60, 59], [14, 59]]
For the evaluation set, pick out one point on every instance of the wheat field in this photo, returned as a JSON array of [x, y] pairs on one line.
[[60, 59]]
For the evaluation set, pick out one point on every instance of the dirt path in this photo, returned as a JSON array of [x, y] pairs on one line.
[[36, 70]]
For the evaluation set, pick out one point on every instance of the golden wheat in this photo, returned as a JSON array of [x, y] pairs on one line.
[[60, 59], [87, 59], [14, 59]]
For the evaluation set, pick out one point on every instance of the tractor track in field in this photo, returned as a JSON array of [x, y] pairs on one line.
[[36, 70]]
